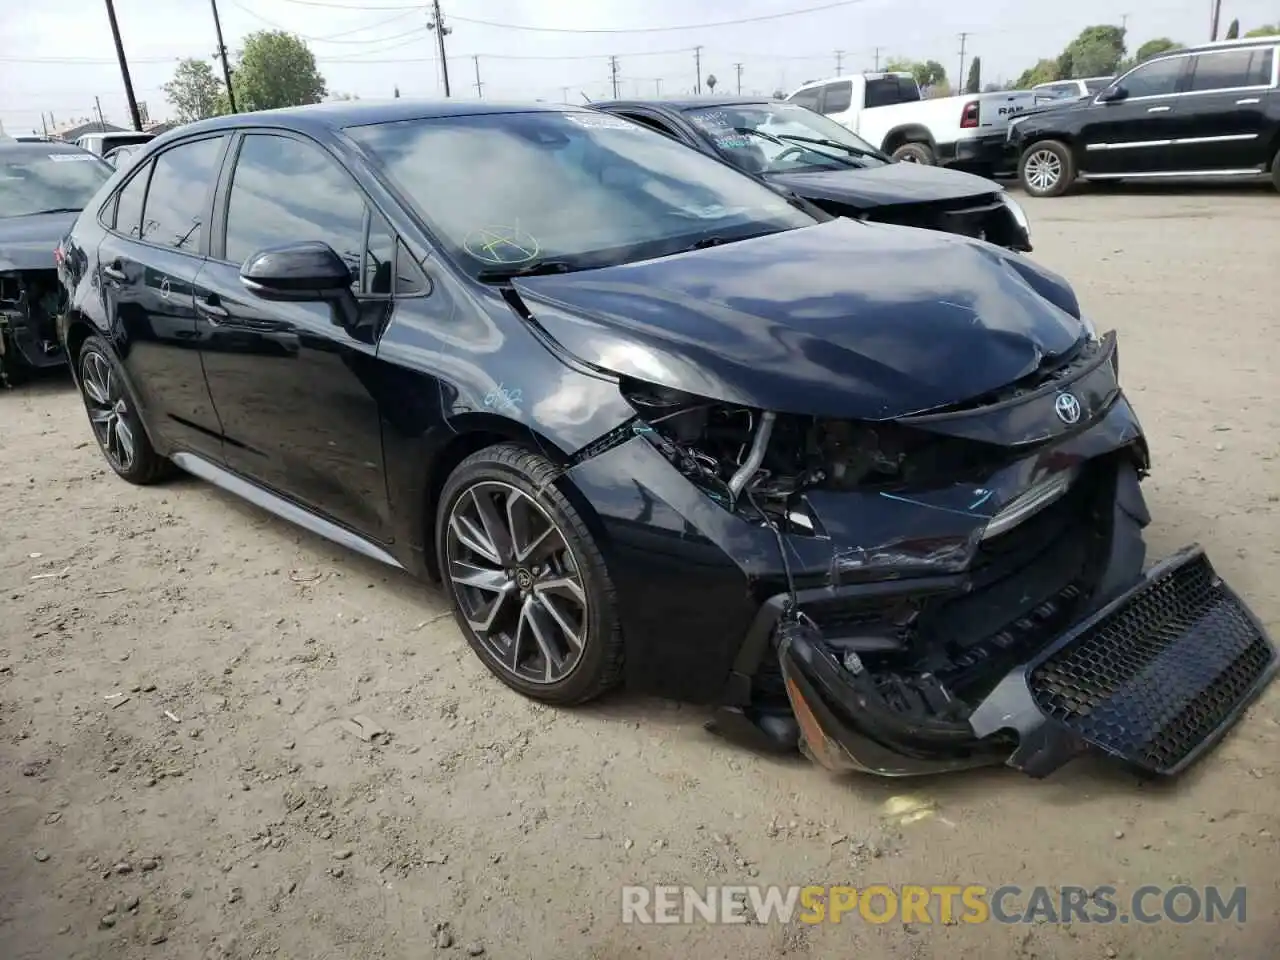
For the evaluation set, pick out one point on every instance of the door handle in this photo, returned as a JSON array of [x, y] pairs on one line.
[[114, 272], [1157, 109], [211, 309], [1248, 100]]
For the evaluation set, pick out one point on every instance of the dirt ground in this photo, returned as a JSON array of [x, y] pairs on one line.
[[178, 780]]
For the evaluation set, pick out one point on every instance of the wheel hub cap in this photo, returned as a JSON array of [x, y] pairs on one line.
[[108, 409], [516, 582]]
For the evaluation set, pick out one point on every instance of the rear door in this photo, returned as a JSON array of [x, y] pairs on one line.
[[1137, 134], [148, 261], [1224, 110], [295, 391]]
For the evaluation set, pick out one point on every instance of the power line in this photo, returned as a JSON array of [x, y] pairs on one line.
[[332, 37], [526, 27]]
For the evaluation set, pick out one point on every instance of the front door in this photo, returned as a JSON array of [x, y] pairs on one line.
[[1135, 134], [149, 260], [1225, 110], [295, 389]]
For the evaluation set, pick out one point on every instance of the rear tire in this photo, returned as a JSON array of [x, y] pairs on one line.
[[1275, 170], [1047, 169], [528, 584], [915, 153], [114, 419]]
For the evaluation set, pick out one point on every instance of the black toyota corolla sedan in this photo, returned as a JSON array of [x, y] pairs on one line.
[[794, 148], [868, 489]]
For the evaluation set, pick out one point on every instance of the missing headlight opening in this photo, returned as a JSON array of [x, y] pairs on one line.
[[30, 304], [731, 450]]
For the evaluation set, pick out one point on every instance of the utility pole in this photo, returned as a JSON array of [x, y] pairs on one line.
[[102, 124], [1124, 22], [697, 63], [878, 59], [221, 54], [124, 67], [839, 62], [960, 75], [436, 22], [44, 126], [478, 85], [564, 94], [613, 75], [738, 67], [657, 86], [1214, 17]]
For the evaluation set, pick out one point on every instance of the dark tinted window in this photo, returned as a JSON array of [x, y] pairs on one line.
[[286, 191], [1155, 79], [650, 122], [1097, 85], [807, 98], [129, 205], [836, 97], [886, 91], [1232, 68], [178, 199]]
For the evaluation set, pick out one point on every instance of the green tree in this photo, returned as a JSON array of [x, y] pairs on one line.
[[1266, 30], [1233, 31], [974, 81], [194, 92], [1045, 71], [276, 69], [928, 73], [1153, 48], [1097, 51]]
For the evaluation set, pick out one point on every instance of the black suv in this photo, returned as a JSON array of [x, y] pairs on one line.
[[1206, 111]]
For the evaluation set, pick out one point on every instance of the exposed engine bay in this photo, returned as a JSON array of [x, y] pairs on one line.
[[30, 303]]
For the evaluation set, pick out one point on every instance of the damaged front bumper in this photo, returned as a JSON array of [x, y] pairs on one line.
[[30, 303], [1154, 678]]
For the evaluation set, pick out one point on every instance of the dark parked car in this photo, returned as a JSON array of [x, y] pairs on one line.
[[865, 487], [820, 160], [43, 186], [1207, 111]]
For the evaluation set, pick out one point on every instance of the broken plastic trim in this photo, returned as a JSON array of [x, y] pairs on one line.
[[1030, 501]]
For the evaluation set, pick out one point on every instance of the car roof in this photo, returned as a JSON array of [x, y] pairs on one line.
[[39, 148], [685, 103], [339, 114], [1215, 45]]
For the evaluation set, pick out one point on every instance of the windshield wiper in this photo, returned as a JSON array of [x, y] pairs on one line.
[[36, 213], [533, 268], [823, 142]]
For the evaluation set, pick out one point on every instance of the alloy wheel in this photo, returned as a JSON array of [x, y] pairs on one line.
[[516, 582], [108, 409], [1042, 170]]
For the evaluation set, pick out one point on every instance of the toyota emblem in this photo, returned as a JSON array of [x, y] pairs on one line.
[[1067, 408]]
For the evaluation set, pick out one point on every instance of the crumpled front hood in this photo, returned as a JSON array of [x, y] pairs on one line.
[[26, 243], [841, 319], [887, 185]]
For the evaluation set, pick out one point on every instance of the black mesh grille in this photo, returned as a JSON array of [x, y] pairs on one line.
[[1161, 673]]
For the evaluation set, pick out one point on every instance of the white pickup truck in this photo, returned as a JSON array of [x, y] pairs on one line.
[[887, 109]]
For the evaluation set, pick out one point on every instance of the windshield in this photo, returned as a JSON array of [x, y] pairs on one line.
[[34, 182], [782, 138], [507, 191]]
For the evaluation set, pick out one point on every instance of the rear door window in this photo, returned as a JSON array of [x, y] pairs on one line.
[[1231, 69], [836, 97], [128, 216], [178, 199]]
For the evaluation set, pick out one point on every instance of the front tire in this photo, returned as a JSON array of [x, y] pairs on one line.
[[114, 419], [1047, 169], [1275, 170], [915, 153], [529, 586]]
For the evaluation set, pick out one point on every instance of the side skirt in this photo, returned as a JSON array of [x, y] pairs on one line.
[[282, 508]]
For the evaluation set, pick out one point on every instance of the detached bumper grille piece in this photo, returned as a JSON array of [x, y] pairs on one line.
[[1161, 676]]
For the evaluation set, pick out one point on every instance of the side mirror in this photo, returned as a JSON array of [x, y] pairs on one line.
[[298, 272], [1113, 94]]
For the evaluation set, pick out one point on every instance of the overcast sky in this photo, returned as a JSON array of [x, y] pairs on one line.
[[57, 55]]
